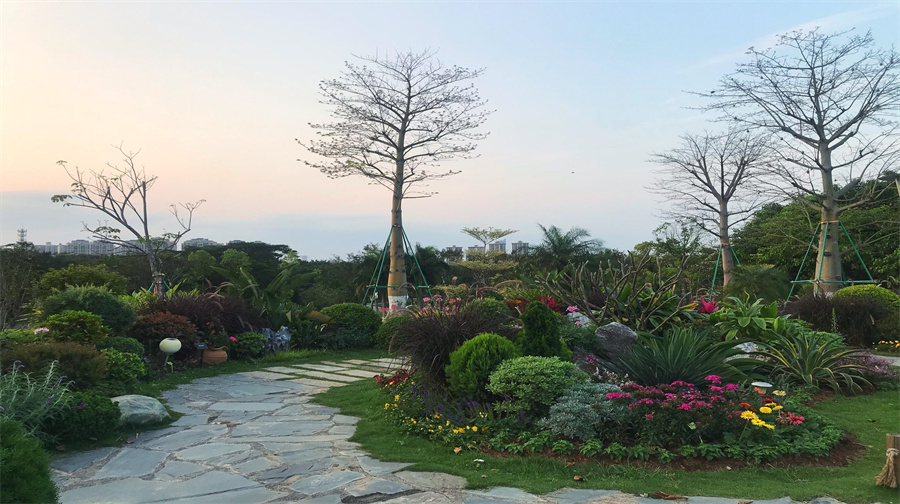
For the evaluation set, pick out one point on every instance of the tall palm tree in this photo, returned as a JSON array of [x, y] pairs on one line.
[[559, 249]]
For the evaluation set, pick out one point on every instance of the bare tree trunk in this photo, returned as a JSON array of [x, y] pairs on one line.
[[397, 269], [725, 245], [829, 262], [159, 284]]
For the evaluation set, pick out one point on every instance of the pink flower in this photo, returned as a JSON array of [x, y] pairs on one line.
[[649, 415], [232, 338], [714, 378], [731, 386], [617, 395], [572, 309], [40, 330], [714, 388], [707, 307], [577, 322], [426, 299]]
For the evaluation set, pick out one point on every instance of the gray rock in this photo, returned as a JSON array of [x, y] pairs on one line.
[[277, 341], [140, 410], [615, 339]]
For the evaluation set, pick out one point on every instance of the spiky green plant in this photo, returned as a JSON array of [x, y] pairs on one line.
[[813, 358]]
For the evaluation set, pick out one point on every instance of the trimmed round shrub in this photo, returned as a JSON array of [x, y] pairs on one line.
[[123, 368], [81, 364], [117, 315], [80, 275], [540, 337], [122, 344], [87, 417], [471, 364], [532, 383], [76, 326], [491, 308], [24, 467], [248, 345], [152, 328], [887, 326], [385, 333], [581, 410], [353, 326]]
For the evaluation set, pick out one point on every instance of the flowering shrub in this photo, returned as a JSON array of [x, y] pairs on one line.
[[890, 346]]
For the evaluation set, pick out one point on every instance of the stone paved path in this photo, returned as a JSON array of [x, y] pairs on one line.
[[254, 437]]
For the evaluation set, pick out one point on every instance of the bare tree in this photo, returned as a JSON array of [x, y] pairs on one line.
[[122, 196], [398, 116], [710, 179], [831, 101]]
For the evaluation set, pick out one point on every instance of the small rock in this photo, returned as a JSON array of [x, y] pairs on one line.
[[615, 339], [140, 410]]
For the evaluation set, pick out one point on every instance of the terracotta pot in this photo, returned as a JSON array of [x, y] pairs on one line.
[[213, 356]]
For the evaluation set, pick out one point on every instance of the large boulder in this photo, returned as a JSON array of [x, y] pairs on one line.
[[140, 410], [615, 340]]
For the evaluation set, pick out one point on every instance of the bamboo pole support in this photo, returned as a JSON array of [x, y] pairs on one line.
[[890, 475]]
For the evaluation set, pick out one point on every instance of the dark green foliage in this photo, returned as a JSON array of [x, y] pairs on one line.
[[117, 315], [88, 416], [854, 318], [580, 411], [248, 345], [24, 467], [352, 326], [231, 314], [533, 383], [813, 358], [79, 363], [886, 327], [32, 397], [432, 334], [385, 333], [541, 334], [10, 337], [124, 368], [683, 355], [472, 363], [758, 281], [492, 308], [122, 344], [78, 275], [152, 328], [77, 326], [583, 336]]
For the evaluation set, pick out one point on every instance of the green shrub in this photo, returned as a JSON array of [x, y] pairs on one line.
[[124, 368], [813, 358], [472, 363], [32, 397], [81, 364], [581, 336], [758, 281], [24, 467], [152, 328], [10, 337], [385, 333], [541, 333], [248, 345], [888, 325], [117, 315], [80, 274], [77, 326], [491, 308], [683, 355], [229, 313], [122, 344], [86, 417], [354, 317], [532, 383], [581, 410]]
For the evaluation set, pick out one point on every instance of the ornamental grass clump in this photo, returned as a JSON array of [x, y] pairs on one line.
[[35, 399], [815, 359]]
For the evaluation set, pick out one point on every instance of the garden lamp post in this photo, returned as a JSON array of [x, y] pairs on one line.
[[169, 346]]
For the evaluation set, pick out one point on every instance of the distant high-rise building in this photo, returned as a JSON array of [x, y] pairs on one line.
[[519, 248], [197, 243], [497, 246]]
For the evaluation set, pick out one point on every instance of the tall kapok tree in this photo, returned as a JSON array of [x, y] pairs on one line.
[[831, 102], [710, 179], [397, 117], [122, 196]]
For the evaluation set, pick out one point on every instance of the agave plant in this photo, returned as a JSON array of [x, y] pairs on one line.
[[813, 358]]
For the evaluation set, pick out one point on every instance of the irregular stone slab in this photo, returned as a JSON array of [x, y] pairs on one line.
[[357, 372], [318, 384], [280, 428], [344, 419], [323, 410], [267, 375], [299, 469], [221, 487], [282, 370], [376, 486], [237, 416], [132, 462], [296, 457], [191, 420], [345, 364], [420, 498], [714, 500], [256, 465], [245, 406], [506, 493], [825, 500], [292, 410], [244, 496], [330, 376], [281, 439], [432, 480], [174, 470], [210, 450], [318, 367], [80, 460], [325, 482], [484, 500], [279, 448], [783, 500], [325, 499], [342, 430], [306, 417], [578, 496], [356, 361], [234, 458], [185, 438], [140, 410]]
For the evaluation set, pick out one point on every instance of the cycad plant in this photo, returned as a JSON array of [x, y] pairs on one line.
[[813, 358]]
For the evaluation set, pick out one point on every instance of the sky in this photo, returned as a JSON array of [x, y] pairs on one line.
[[214, 94]]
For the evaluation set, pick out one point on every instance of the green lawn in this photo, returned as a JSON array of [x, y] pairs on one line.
[[869, 417]]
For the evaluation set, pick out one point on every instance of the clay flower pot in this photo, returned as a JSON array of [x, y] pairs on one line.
[[213, 356]]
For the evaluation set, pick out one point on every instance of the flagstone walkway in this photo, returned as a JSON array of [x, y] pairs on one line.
[[254, 437]]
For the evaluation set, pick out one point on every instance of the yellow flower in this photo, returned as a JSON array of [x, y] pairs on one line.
[[768, 426], [757, 421], [386, 405], [776, 408], [747, 415], [396, 397], [765, 409], [475, 429], [771, 404], [780, 392]]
